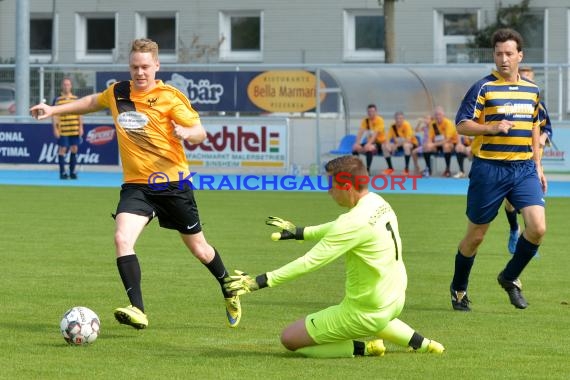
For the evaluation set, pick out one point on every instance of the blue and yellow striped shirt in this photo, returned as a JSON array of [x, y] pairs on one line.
[[67, 124], [493, 99]]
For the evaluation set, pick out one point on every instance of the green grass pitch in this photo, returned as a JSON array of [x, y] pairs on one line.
[[57, 252]]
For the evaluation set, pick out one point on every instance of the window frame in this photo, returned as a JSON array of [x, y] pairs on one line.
[[81, 53], [441, 41], [225, 53], [141, 24], [349, 52]]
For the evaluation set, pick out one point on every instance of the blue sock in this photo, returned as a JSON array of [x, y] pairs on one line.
[[524, 253], [61, 162], [512, 218], [463, 267], [72, 162]]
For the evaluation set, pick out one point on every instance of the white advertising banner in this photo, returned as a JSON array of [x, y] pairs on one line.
[[555, 156], [242, 144]]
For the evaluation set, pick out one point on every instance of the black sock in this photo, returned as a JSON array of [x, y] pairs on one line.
[[416, 341], [407, 161], [463, 267], [369, 157], [512, 218], [130, 272], [72, 162], [523, 254], [359, 348], [447, 158], [460, 160], [389, 162], [428, 161], [61, 161], [218, 270]]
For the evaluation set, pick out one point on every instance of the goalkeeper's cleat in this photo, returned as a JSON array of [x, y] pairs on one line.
[[233, 310], [459, 300], [374, 348], [513, 289], [435, 347], [513, 238], [131, 316]]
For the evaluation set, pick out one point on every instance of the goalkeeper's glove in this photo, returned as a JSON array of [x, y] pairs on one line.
[[288, 229], [242, 283]]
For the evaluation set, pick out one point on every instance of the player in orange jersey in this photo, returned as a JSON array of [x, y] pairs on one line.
[[152, 119]]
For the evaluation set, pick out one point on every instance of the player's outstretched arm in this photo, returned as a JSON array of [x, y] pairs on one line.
[[288, 229], [242, 283], [83, 105]]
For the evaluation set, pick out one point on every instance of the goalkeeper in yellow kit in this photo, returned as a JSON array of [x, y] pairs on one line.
[[375, 274]]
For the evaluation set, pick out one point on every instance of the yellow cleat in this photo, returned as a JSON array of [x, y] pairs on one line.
[[435, 347], [233, 310], [131, 316], [375, 348]]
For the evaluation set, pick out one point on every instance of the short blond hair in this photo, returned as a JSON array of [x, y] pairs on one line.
[[145, 45]]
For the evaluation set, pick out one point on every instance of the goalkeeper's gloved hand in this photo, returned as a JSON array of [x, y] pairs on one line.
[[242, 283], [288, 229]]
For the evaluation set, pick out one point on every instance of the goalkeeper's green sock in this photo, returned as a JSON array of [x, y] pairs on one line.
[[343, 349], [397, 332], [403, 335]]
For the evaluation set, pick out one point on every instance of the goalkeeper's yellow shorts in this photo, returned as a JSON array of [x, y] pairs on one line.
[[343, 322]]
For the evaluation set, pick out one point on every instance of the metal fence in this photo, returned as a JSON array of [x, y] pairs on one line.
[[554, 79]]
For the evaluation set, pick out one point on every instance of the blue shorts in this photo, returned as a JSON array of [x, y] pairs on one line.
[[492, 181], [68, 141]]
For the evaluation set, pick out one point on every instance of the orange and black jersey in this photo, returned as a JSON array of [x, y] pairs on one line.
[[375, 125], [145, 132], [68, 124], [404, 131], [444, 131]]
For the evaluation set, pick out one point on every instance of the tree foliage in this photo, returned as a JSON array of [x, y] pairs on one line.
[[516, 16]]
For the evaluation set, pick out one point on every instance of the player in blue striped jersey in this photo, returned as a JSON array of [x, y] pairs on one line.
[[501, 111], [526, 72], [67, 129]]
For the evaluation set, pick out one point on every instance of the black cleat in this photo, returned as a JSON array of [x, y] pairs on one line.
[[459, 300], [63, 176], [73, 176], [513, 289]]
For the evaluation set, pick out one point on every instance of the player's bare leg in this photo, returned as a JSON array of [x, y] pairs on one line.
[[210, 257]]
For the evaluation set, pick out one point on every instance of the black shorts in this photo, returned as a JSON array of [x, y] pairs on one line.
[[174, 206]]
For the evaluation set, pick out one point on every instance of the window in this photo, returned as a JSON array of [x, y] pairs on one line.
[[241, 36], [459, 24], [454, 29], [161, 28], [100, 36], [364, 35], [96, 39], [41, 37]]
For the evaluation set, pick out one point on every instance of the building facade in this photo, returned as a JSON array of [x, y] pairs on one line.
[[274, 32]]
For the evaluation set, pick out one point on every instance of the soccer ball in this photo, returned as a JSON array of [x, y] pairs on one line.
[[80, 325]]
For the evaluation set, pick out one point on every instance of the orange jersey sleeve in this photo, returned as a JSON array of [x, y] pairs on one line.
[[145, 132]]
